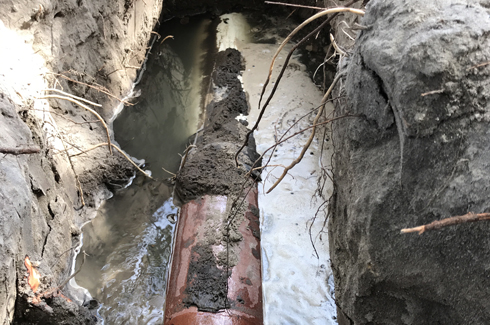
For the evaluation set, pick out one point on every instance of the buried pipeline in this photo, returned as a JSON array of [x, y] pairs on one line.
[[215, 274]]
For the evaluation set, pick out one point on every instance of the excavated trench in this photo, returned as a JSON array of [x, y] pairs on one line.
[[129, 242], [414, 80]]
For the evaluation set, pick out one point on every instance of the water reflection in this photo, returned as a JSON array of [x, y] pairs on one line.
[[167, 112]]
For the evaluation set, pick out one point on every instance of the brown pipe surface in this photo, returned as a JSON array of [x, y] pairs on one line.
[[198, 281]]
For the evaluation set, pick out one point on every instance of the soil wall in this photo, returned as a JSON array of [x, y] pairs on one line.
[[96, 43], [409, 158]]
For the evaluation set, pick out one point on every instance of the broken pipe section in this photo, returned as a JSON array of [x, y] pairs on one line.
[[215, 277]]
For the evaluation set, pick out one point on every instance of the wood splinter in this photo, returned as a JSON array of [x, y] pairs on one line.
[[438, 224]]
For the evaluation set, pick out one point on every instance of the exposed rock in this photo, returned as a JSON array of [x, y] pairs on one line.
[[407, 160]]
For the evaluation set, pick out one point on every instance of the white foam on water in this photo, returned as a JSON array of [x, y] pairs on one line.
[[297, 285]]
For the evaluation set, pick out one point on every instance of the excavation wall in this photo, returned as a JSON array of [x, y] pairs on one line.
[[416, 151], [96, 43]]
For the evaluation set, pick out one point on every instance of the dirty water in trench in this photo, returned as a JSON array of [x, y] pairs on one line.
[[129, 242]]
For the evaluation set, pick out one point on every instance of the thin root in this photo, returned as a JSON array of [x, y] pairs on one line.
[[308, 143], [438, 224], [120, 151], [88, 109]]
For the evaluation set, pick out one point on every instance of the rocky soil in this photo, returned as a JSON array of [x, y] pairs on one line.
[[408, 159]]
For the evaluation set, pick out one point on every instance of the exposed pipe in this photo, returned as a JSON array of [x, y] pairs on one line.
[[198, 289]]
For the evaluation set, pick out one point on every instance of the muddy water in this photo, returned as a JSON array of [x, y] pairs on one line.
[[167, 112], [129, 242]]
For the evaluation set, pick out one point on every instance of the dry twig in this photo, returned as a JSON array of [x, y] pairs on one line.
[[120, 151], [20, 151], [438, 224]]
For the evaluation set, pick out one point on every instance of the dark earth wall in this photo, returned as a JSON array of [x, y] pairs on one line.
[[92, 42], [407, 160]]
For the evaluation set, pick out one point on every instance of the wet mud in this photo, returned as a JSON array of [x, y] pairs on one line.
[[210, 171], [210, 166]]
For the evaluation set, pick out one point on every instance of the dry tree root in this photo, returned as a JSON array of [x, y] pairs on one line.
[[293, 5], [283, 139], [72, 99], [97, 87], [438, 224], [169, 172], [73, 96], [120, 151], [273, 147], [166, 37], [335, 11], [312, 135], [294, 32], [183, 159], [185, 155], [479, 65], [20, 151], [336, 46]]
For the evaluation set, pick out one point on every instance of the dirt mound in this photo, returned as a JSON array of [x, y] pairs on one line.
[[210, 168]]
